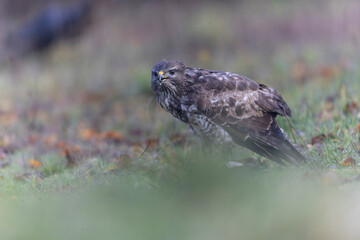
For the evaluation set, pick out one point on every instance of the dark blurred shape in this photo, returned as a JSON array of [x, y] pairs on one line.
[[56, 21]]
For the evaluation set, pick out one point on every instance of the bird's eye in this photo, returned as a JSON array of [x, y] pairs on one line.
[[155, 74], [172, 72]]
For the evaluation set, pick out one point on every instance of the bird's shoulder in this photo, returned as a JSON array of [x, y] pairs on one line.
[[218, 81]]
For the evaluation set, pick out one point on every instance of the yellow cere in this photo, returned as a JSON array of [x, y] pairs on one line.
[[161, 73]]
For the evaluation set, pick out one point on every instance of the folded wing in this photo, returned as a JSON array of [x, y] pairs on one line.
[[247, 111]]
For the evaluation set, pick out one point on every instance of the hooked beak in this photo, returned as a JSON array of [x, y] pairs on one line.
[[162, 77]]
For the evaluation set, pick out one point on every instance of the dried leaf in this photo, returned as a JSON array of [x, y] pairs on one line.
[[152, 143], [75, 150], [88, 133], [319, 139], [112, 136], [92, 134], [51, 140], [61, 144], [111, 169], [351, 107], [348, 162], [327, 72], [35, 163], [71, 154]]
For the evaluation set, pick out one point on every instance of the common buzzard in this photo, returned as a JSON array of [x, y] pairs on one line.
[[225, 107]]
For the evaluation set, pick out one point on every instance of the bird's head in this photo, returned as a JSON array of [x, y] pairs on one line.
[[167, 75]]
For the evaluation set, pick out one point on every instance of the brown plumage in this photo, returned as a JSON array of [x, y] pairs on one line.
[[224, 107]]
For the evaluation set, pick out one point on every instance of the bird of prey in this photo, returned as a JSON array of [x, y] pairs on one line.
[[225, 107], [54, 22]]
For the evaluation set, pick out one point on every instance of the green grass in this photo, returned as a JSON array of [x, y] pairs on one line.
[[58, 108], [206, 201]]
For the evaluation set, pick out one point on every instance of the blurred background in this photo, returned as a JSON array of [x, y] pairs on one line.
[[78, 118], [70, 69]]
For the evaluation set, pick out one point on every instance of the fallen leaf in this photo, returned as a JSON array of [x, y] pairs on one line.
[[71, 154], [61, 144], [327, 72], [88, 133], [111, 169], [348, 162], [319, 139], [92, 134], [34, 163], [152, 143], [351, 107], [75, 150], [51, 140], [112, 136]]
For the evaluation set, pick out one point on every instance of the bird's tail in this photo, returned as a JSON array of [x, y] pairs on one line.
[[273, 144], [289, 152]]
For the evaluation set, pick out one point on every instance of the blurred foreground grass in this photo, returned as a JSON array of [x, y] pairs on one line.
[[208, 201], [108, 163]]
